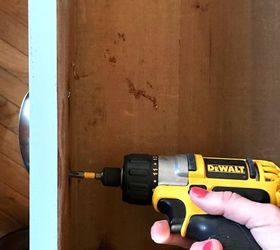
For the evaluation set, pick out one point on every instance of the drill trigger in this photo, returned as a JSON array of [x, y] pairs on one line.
[[175, 211]]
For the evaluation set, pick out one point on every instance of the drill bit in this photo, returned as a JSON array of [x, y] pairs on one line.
[[108, 176], [84, 175]]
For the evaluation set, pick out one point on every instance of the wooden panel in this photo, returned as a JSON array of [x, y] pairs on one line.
[[13, 61], [17, 9], [65, 13], [7, 224], [11, 170], [209, 78], [14, 205], [13, 87], [9, 145], [13, 32], [234, 88], [215, 74], [13, 196], [231, 74], [197, 110], [265, 80], [9, 113], [114, 53]]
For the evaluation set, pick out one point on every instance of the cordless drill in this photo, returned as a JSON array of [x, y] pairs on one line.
[[165, 181]]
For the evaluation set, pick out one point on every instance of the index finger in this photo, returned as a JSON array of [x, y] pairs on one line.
[[235, 207]]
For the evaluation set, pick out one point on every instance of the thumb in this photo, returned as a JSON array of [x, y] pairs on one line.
[[207, 245], [234, 207]]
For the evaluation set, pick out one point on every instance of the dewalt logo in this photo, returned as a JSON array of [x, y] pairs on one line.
[[226, 169]]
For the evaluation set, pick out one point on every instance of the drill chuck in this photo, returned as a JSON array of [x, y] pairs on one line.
[[140, 177], [137, 178], [141, 174]]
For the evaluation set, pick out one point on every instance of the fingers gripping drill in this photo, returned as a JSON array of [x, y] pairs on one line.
[[165, 181]]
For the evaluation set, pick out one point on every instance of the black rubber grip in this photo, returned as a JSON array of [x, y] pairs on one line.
[[232, 235], [140, 177]]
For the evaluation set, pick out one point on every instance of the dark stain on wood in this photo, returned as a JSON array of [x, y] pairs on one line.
[[100, 112], [104, 244], [92, 122], [141, 61], [121, 36], [141, 93], [98, 115], [210, 47], [112, 59], [200, 6], [149, 84], [108, 55]]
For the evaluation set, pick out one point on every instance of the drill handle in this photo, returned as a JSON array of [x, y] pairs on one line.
[[232, 235]]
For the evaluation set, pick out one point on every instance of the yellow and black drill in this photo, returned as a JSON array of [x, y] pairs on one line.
[[165, 181]]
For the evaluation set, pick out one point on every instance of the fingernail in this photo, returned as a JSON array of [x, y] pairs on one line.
[[208, 246], [199, 192]]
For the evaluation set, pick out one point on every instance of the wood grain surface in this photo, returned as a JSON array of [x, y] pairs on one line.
[[164, 77], [13, 87], [65, 13]]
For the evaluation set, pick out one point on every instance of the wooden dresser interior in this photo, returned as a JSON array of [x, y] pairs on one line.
[[160, 77]]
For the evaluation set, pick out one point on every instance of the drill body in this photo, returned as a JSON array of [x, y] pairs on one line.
[[256, 180], [165, 182]]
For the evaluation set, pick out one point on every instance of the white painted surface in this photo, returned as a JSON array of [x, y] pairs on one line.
[[43, 124]]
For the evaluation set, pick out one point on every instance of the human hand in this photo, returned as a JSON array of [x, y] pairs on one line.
[[263, 220]]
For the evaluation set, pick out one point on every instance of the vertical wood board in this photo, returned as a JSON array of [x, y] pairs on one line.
[[164, 77]]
